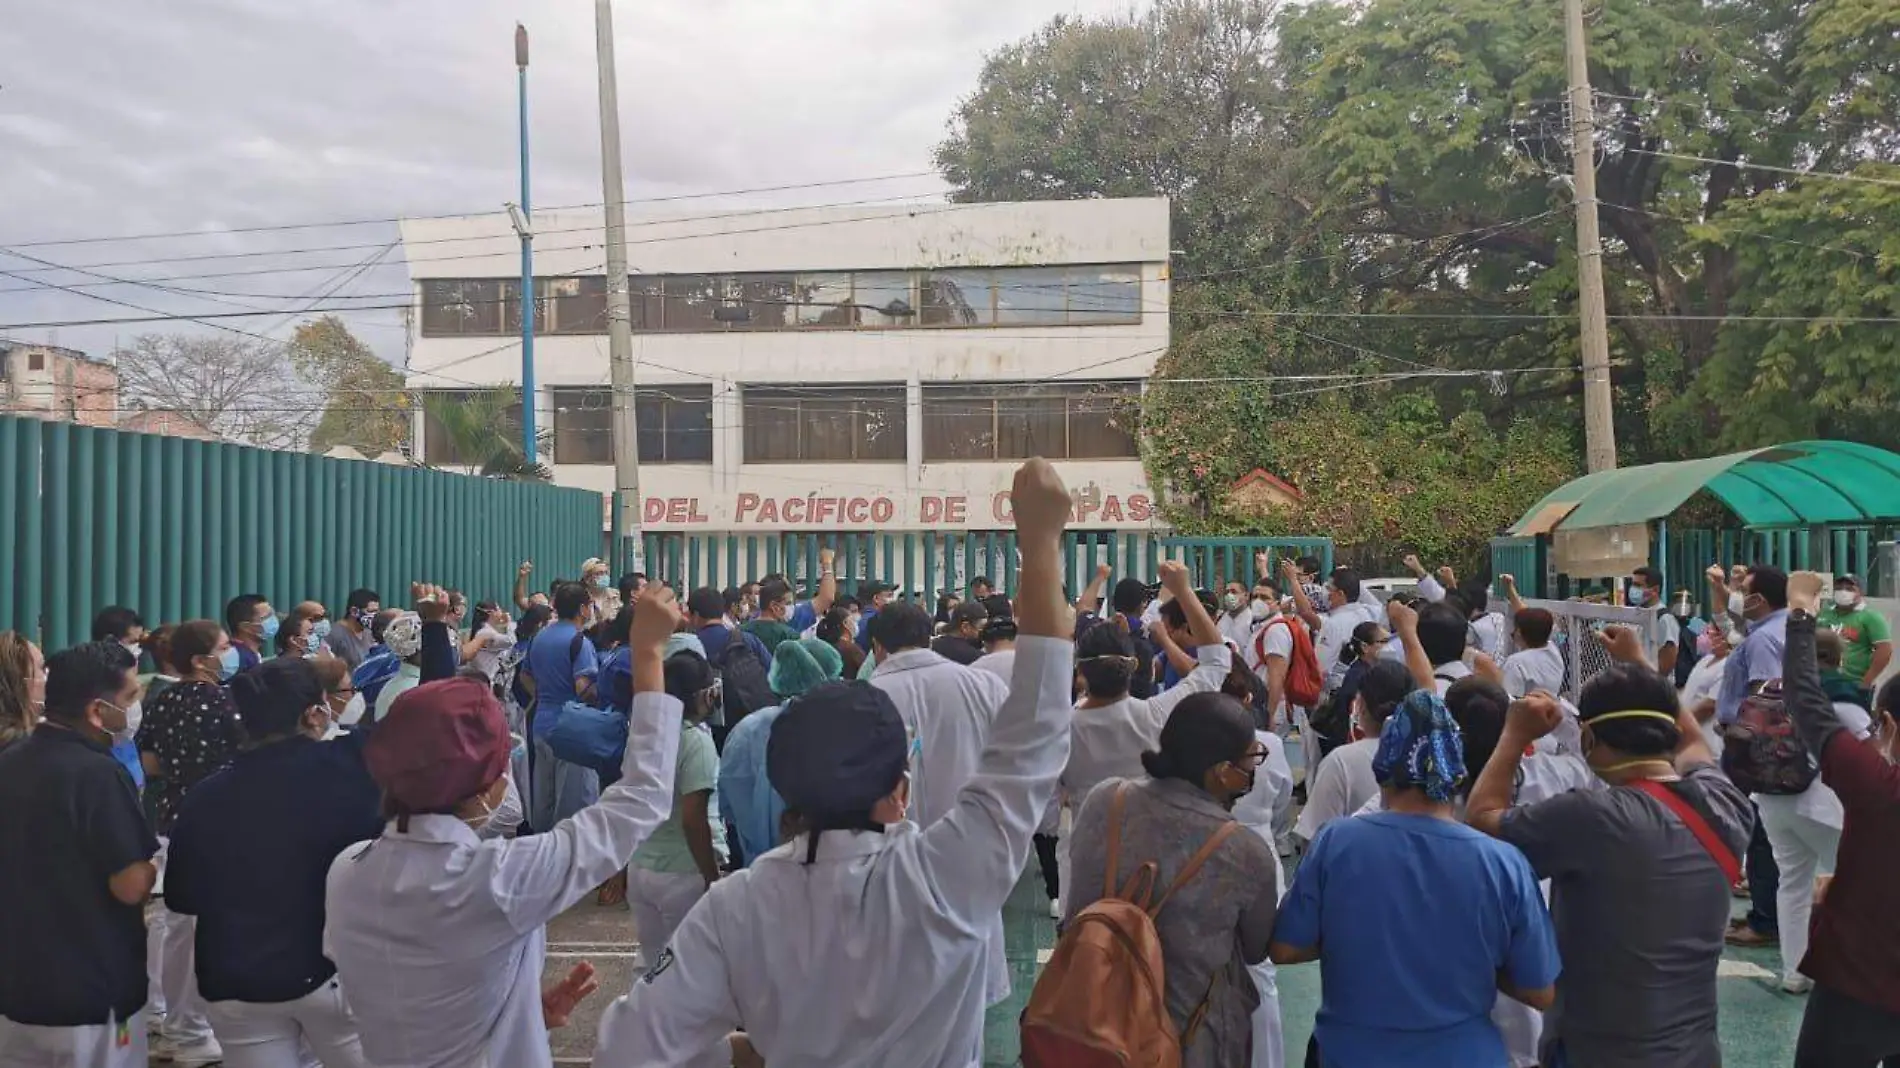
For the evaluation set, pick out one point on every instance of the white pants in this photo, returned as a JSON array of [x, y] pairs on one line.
[[316, 1028], [1804, 848], [659, 901], [108, 1045], [170, 956]]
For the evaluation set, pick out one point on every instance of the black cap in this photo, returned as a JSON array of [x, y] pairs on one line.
[[969, 612], [836, 752], [871, 589]]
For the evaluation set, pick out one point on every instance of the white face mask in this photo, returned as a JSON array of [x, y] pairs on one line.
[[1262, 608], [134, 713], [135, 649], [352, 712], [1735, 602], [1846, 598]]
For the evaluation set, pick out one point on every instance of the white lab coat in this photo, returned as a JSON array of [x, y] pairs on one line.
[[440, 936], [1107, 742], [1266, 810], [877, 954], [947, 710]]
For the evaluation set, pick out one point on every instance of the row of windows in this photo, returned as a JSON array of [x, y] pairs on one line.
[[788, 424], [842, 300]]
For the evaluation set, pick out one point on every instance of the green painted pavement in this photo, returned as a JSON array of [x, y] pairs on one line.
[[1758, 1022]]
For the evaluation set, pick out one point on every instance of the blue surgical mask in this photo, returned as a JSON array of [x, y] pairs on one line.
[[228, 663], [319, 631], [270, 628], [600, 582]]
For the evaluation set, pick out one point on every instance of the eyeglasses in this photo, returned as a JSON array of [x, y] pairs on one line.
[[1253, 759]]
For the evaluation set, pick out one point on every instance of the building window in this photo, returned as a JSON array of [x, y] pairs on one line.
[[791, 424], [674, 425], [465, 446], [36, 361], [1014, 421], [841, 300]]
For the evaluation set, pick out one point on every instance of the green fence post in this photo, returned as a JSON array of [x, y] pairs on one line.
[[59, 535], [85, 554], [11, 492]]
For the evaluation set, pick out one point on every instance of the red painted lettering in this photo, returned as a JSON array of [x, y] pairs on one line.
[[768, 511], [794, 510], [697, 516], [1001, 508], [1111, 509], [1140, 508], [1082, 508], [956, 509], [827, 506], [653, 510], [883, 510], [747, 503], [676, 509], [857, 510], [930, 509]]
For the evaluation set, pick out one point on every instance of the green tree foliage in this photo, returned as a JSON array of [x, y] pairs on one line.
[[1380, 188], [364, 406], [482, 430]]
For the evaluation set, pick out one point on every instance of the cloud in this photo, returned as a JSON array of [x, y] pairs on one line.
[[123, 117]]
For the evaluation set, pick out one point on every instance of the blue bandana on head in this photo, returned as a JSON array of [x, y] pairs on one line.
[[1420, 746]]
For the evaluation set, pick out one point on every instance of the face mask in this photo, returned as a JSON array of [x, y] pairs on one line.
[[480, 823], [1638, 597], [1736, 602], [1262, 608], [319, 631], [352, 712], [270, 626], [1844, 598], [138, 650], [1230, 602], [600, 582], [1236, 795], [228, 663], [134, 713], [1704, 644], [364, 618]]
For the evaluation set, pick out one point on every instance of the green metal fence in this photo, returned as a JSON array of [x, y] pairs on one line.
[[1683, 555], [926, 564], [174, 528]]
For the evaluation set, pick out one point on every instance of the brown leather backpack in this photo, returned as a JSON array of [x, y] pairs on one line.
[[1101, 1001]]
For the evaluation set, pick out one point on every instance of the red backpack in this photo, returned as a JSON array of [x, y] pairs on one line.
[[1304, 682], [1101, 1001]]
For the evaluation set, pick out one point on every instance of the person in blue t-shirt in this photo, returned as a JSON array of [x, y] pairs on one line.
[[563, 664], [1417, 920]]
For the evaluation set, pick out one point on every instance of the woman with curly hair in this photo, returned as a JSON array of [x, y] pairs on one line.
[[22, 686]]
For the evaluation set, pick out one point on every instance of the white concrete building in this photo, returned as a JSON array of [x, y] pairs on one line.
[[825, 370]]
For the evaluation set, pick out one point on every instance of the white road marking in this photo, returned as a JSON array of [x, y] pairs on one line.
[[594, 954]]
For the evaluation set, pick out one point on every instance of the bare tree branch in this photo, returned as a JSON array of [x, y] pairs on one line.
[[245, 391]]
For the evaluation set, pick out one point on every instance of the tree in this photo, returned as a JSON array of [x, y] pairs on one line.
[[482, 431], [240, 389], [1818, 354], [1431, 118], [1178, 101], [365, 407]]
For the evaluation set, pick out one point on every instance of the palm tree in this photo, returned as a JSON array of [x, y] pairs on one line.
[[483, 431]]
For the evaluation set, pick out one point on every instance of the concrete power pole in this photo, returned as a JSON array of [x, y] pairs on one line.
[[627, 542], [1599, 428]]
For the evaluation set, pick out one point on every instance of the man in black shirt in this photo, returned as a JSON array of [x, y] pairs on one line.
[[249, 856], [75, 869], [958, 642]]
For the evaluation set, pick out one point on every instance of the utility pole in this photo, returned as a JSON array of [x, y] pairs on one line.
[[1599, 428], [627, 542], [524, 226]]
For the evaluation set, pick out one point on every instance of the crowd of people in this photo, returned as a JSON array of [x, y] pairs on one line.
[[283, 839]]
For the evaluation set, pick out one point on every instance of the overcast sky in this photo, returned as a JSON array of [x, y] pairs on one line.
[[126, 117]]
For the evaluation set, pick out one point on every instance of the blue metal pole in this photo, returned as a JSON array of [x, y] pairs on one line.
[[527, 257]]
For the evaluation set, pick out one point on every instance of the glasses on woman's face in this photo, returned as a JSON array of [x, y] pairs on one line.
[[1254, 758]]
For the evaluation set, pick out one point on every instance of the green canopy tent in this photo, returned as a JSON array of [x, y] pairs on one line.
[[1804, 487]]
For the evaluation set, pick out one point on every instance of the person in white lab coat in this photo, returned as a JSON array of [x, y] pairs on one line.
[[1111, 729], [947, 709], [1267, 810], [439, 935], [862, 942]]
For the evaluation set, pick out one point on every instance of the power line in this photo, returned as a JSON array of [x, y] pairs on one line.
[[1868, 179], [386, 220], [914, 210]]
